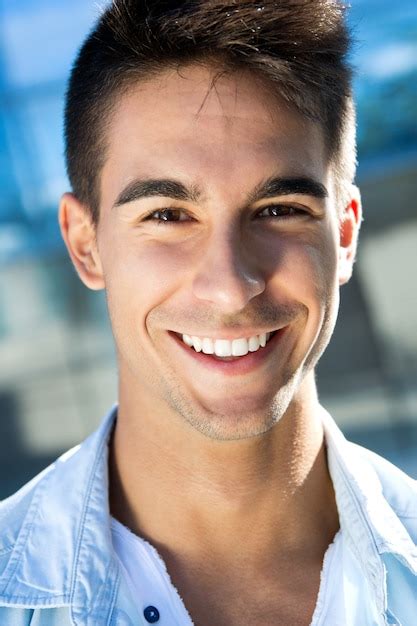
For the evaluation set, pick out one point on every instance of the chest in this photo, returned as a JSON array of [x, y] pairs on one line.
[[211, 591], [244, 600]]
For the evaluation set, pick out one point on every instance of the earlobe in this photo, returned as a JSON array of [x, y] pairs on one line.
[[79, 235], [349, 225]]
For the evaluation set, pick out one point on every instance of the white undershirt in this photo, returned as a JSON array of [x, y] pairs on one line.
[[151, 586]]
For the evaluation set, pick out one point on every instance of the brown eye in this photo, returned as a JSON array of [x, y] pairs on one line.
[[281, 210], [167, 215]]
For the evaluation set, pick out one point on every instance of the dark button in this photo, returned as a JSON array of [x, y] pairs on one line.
[[151, 614]]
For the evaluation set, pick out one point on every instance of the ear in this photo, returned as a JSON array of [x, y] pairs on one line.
[[349, 225], [79, 234]]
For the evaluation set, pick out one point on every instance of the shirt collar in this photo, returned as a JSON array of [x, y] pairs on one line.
[[68, 517], [367, 520]]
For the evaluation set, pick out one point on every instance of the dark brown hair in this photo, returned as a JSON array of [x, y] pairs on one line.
[[299, 46]]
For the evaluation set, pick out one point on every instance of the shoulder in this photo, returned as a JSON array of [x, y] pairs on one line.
[[59, 490], [398, 489], [49, 528], [16, 520], [14, 509], [370, 475], [41, 502], [58, 616]]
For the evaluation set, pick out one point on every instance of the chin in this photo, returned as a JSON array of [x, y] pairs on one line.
[[242, 418], [225, 428]]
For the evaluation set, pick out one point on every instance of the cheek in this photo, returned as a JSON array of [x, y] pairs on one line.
[[309, 278], [308, 269], [321, 275], [145, 273]]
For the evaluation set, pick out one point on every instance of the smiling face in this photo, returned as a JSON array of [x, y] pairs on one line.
[[218, 231]]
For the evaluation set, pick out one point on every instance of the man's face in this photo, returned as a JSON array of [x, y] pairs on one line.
[[240, 240]]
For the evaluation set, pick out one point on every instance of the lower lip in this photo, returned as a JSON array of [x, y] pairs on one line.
[[238, 365]]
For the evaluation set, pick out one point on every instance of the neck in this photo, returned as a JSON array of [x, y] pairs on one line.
[[215, 493]]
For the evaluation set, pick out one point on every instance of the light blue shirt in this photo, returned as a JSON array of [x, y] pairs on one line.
[[58, 566]]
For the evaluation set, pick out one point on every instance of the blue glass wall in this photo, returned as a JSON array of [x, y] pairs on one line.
[[38, 40], [386, 85]]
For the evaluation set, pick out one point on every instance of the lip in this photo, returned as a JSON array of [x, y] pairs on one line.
[[239, 365], [230, 336]]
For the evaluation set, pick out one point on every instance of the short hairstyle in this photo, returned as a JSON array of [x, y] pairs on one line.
[[300, 47]]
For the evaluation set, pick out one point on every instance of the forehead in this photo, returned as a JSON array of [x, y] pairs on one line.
[[208, 129]]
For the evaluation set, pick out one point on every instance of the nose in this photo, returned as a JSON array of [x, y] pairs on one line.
[[228, 274]]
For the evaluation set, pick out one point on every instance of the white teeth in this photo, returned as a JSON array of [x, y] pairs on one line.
[[207, 346], [227, 347], [187, 339], [223, 347], [253, 344], [240, 347], [197, 343]]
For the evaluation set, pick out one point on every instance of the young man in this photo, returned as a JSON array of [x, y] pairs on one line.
[[210, 146]]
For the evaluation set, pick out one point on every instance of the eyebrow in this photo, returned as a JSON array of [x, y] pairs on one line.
[[279, 186], [171, 188], [145, 188]]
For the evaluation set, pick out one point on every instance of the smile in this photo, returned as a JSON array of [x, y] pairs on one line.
[[224, 348], [230, 356]]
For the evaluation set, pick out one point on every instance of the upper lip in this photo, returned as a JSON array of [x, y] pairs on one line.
[[228, 334]]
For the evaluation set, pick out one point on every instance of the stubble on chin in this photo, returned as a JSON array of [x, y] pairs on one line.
[[231, 421]]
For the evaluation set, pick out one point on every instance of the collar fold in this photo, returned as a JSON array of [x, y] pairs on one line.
[[368, 521], [69, 518]]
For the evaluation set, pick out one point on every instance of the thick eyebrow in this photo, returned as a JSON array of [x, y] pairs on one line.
[[170, 188], [145, 188], [278, 186]]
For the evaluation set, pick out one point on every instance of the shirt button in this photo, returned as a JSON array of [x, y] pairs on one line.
[[151, 614]]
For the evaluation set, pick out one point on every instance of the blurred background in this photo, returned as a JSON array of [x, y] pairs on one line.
[[57, 364]]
